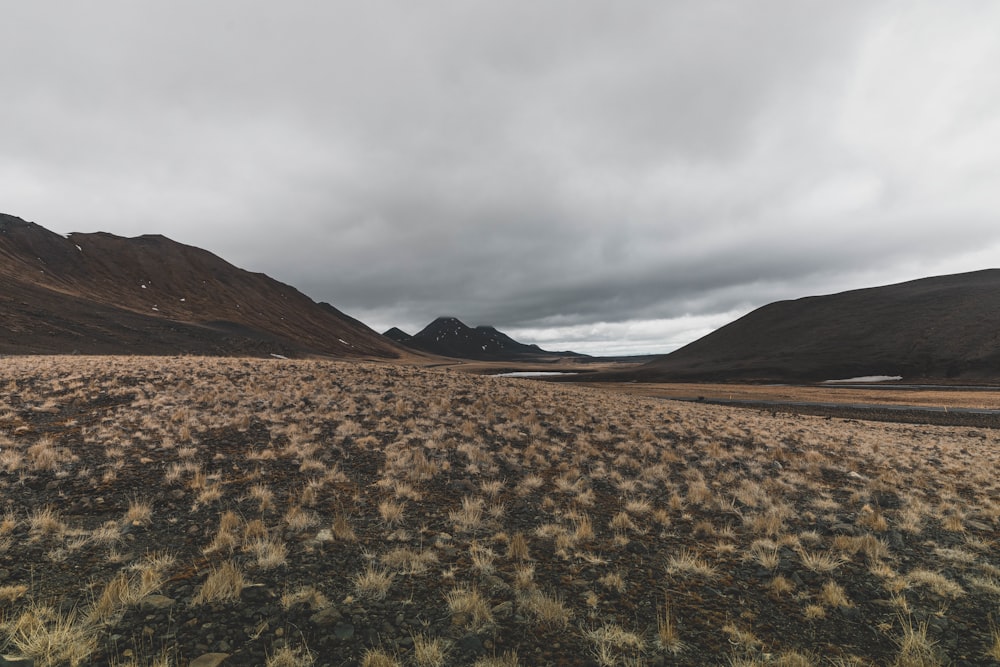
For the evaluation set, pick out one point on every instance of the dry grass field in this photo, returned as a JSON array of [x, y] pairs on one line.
[[175, 511]]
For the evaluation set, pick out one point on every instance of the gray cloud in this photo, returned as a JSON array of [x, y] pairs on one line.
[[575, 171]]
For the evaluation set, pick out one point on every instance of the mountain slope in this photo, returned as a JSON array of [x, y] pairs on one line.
[[933, 328], [450, 337], [398, 335], [100, 293]]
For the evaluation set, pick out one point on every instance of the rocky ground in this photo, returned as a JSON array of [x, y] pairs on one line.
[[195, 511]]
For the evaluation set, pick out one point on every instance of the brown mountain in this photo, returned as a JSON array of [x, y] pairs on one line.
[[938, 328], [104, 294]]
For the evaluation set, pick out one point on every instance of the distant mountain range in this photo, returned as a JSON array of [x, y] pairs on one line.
[[450, 337], [104, 294], [940, 328]]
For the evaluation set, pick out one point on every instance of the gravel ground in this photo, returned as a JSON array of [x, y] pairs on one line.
[[562, 525]]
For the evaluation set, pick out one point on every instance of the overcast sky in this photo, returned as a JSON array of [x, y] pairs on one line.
[[608, 177]]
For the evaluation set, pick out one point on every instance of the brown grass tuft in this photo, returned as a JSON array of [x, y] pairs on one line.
[[223, 584]]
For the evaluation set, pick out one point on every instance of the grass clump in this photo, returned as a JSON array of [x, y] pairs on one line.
[[373, 583], [507, 659], [469, 608], [429, 651], [915, 649], [667, 637], [223, 584], [548, 610], [377, 657], [613, 644], [688, 563], [286, 656], [51, 638]]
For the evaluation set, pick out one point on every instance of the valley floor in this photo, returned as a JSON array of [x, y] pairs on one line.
[[930, 397], [160, 511]]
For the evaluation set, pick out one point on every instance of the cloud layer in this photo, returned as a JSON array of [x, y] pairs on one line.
[[597, 176]]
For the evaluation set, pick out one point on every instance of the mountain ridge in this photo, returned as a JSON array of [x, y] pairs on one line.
[[103, 294], [448, 336], [940, 327]]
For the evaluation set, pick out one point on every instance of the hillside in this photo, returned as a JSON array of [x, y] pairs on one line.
[[398, 335], [99, 293], [450, 337], [940, 328]]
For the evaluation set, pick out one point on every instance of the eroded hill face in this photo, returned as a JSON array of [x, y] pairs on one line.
[[326, 511], [100, 293], [940, 328]]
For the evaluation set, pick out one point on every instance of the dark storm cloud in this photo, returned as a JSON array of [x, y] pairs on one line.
[[616, 176]]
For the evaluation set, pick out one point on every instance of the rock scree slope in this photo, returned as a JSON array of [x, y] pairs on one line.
[[104, 294]]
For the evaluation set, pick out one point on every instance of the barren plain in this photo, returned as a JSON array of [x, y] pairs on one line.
[[933, 397], [203, 511]]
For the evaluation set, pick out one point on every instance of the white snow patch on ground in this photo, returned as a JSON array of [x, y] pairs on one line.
[[866, 378], [278, 356], [532, 374], [343, 341], [79, 248]]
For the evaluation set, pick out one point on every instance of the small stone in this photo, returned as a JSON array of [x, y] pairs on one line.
[[343, 631], [851, 613], [843, 529], [209, 660], [256, 594], [939, 624], [16, 661], [470, 644], [328, 616], [896, 540], [504, 609], [888, 500], [156, 602]]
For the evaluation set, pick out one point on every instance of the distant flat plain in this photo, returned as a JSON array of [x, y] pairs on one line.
[[984, 398], [925, 396]]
